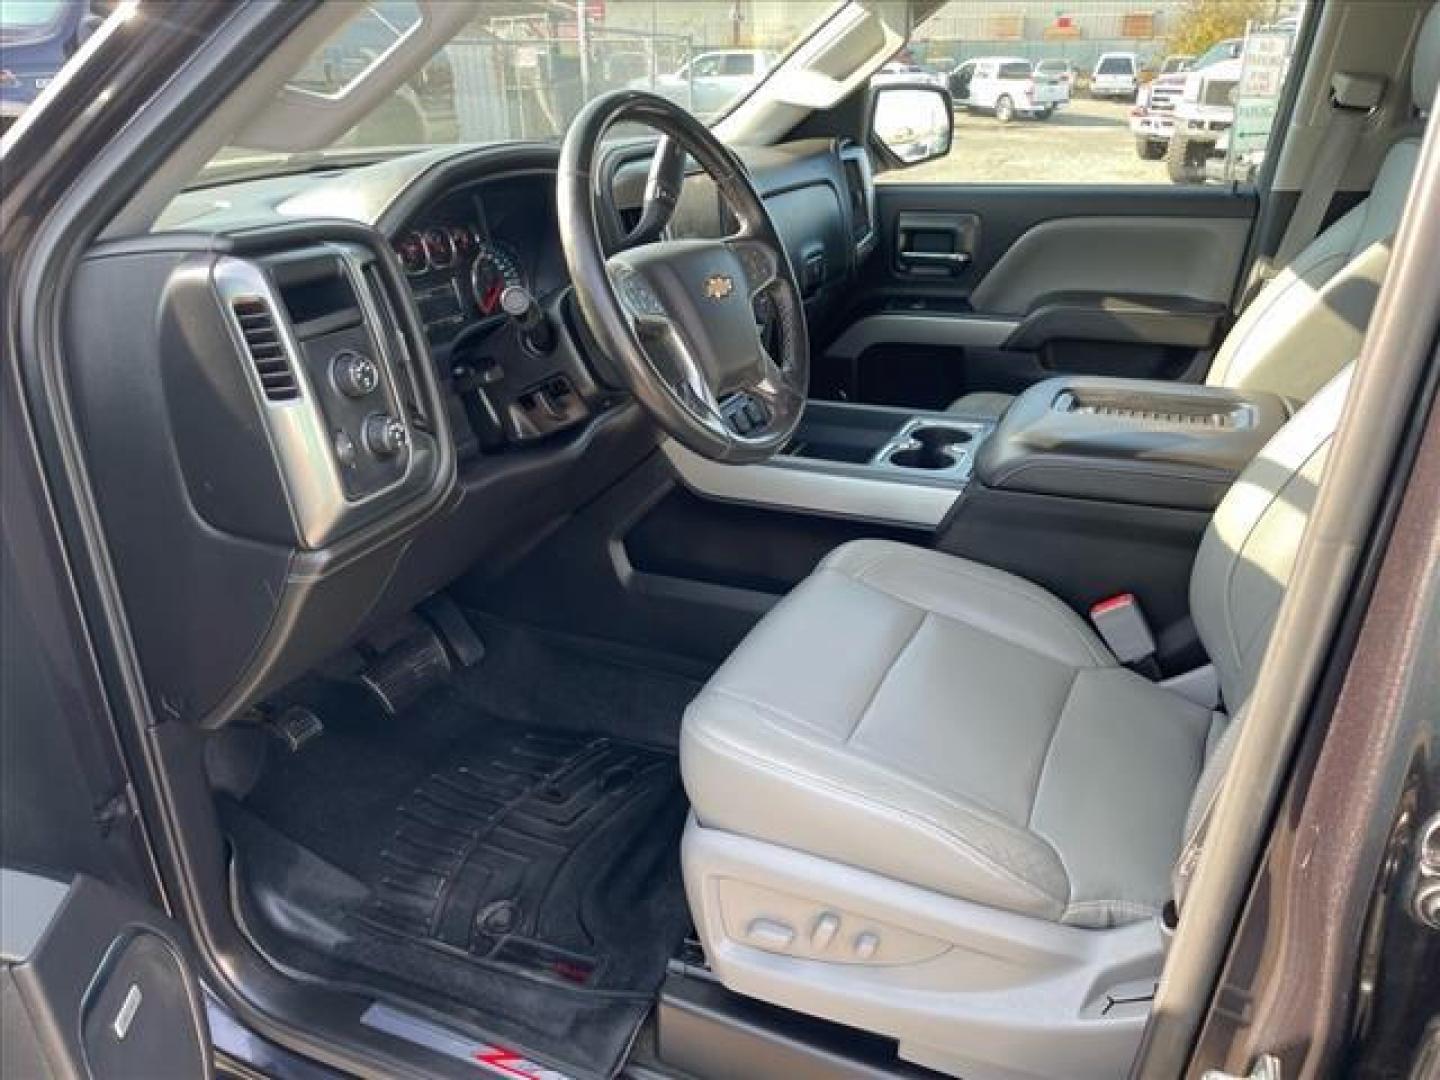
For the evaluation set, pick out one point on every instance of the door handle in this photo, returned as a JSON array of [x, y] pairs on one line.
[[950, 262]]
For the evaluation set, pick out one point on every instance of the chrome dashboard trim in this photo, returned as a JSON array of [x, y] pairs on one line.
[[297, 430]]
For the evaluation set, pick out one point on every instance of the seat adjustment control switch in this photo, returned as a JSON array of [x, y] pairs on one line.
[[824, 930], [385, 435], [355, 375], [770, 934]]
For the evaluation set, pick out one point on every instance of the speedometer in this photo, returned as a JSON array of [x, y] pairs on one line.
[[494, 270]]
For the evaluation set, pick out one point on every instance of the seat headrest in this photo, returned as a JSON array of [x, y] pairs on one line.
[[1425, 69]]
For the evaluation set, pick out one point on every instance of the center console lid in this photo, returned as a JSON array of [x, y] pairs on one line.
[[1128, 440]]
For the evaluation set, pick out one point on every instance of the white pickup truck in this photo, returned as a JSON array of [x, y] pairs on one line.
[[1008, 86]]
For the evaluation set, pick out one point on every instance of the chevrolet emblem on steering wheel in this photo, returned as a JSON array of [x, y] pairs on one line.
[[719, 286]]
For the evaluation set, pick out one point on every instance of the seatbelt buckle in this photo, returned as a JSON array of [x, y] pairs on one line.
[[1121, 624]]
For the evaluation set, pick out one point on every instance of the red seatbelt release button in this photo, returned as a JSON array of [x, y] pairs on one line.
[[1121, 623]]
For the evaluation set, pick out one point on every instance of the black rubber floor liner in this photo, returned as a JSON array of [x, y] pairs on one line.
[[529, 885]]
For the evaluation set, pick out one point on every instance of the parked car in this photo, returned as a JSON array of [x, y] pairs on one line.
[[1061, 71], [37, 39], [899, 71], [1153, 119], [709, 81], [1006, 86], [1117, 75]]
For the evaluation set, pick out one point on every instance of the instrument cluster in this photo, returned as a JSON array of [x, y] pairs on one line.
[[482, 268]]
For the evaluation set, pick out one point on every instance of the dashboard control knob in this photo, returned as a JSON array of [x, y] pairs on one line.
[[355, 375], [344, 449], [384, 435]]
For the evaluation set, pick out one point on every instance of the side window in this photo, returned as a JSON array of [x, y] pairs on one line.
[[740, 64], [1108, 92], [705, 67]]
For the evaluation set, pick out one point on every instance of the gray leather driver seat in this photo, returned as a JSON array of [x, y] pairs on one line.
[[1310, 318]]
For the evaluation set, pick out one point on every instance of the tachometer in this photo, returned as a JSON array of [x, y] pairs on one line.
[[411, 250], [494, 270]]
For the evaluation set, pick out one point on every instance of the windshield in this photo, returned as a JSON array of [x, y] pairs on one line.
[[523, 69], [27, 16]]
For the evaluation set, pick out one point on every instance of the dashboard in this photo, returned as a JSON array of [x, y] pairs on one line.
[[309, 402]]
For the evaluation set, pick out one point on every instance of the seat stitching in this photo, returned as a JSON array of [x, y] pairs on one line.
[[1232, 627], [1044, 603], [1225, 360], [1050, 745], [769, 715], [926, 824], [861, 575], [880, 682], [1040, 780]]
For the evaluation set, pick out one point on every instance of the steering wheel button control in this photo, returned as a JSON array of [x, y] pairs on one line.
[[355, 375], [639, 297]]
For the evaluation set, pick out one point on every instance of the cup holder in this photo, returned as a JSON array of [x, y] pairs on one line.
[[922, 457], [929, 447]]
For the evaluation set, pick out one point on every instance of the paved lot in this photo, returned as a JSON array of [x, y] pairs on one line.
[[1085, 142]]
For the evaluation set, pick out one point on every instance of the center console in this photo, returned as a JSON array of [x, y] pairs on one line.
[[1091, 487], [891, 466], [1129, 441]]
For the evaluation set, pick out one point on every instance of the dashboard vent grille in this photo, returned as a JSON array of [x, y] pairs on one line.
[[267, 351]]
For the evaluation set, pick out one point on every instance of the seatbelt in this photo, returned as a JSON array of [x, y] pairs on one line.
[[1352, 99]]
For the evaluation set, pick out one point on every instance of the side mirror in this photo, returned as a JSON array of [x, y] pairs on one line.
[[89, 23], [912, 122]]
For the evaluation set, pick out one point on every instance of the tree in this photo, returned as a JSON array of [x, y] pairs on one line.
[[1201, 23]]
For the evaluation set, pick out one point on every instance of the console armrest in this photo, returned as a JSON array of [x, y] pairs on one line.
[[1128, 440]]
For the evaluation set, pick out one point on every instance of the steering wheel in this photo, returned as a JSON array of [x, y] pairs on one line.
[[678, 318]]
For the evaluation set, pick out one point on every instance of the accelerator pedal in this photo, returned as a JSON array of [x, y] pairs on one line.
[[411, 662], [446, 618]]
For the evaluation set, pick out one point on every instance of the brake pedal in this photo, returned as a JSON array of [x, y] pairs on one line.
[[295, 726]]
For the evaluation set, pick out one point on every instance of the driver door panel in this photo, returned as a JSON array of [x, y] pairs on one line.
[[996, 287]]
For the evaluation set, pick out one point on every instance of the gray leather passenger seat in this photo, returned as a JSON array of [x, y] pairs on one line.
[[927, 801], [1309, 320]]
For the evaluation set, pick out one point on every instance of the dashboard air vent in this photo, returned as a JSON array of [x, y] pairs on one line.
[[267, 351]]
